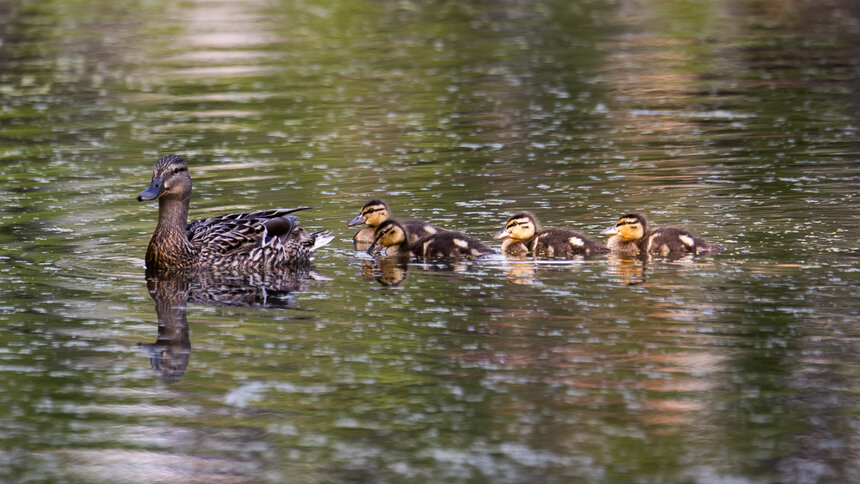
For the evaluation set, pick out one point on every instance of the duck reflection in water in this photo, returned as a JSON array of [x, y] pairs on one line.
[[172, 290], [169, 355]]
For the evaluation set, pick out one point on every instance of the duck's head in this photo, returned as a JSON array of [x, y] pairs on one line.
[[388, 233], [629, 227], [372, 213], [170, 179], [520, 226]]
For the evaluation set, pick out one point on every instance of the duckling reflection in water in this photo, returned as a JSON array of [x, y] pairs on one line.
[[631, 235], [630, 270], [375, 212], [388, 271], [446, 244], [522, 236], [521, 271]]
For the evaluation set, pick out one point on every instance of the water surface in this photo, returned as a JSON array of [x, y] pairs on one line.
[[737, 119]]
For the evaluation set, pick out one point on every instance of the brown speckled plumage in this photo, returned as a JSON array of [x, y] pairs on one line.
[[266, 239]]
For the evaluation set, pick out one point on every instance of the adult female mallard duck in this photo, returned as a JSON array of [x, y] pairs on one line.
[[373, 213], [267, 239], [631, 235], [522, 235], [445, 244]]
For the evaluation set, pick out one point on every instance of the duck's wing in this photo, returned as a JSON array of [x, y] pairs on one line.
[[268, 238], [203, 225], [228, 235]]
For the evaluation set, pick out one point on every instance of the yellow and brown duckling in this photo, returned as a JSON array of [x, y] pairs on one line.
[[267, 239], [522, 235], [373, 213], [444, 244], [631, 235]]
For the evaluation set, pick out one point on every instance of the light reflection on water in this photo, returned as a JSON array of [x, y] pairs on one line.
[[729, 118]]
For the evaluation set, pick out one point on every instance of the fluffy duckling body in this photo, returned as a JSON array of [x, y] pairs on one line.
[[444, 244], [373, 213], [266, 239], [522, 235], [631, 235]]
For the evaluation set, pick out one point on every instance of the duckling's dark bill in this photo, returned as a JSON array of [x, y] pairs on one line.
[[502, 234], [152, 192], [373, 247], [609, 231], [356, 221]]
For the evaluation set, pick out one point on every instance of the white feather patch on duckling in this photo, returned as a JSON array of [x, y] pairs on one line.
[[650, 243], [687, 240], [576, 242], [461, 243]]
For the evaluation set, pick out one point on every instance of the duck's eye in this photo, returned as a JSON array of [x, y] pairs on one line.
[[370, 211], [179, 169]]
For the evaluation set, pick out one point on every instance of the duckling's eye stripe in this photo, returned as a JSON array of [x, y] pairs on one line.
[[626, 222], [177, 170]]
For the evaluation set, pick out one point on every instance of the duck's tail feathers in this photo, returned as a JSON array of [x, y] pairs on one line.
[[321, 238]]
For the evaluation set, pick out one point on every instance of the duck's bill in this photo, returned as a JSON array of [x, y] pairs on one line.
[[503, 234], [359, 219], [609, 231], [152, 192]]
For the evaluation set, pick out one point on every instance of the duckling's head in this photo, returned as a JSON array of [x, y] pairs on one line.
[[520, 226], [372, 213], [629, 227], [170, 179], [388, 233]]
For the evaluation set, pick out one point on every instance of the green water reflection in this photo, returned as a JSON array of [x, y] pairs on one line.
[[737, 119]]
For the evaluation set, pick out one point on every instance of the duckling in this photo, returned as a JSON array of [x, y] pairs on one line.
[[444, 244], [523, 235], [631, 235], [373, 213]]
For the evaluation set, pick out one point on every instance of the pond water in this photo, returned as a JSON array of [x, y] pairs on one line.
[[737, 119]]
